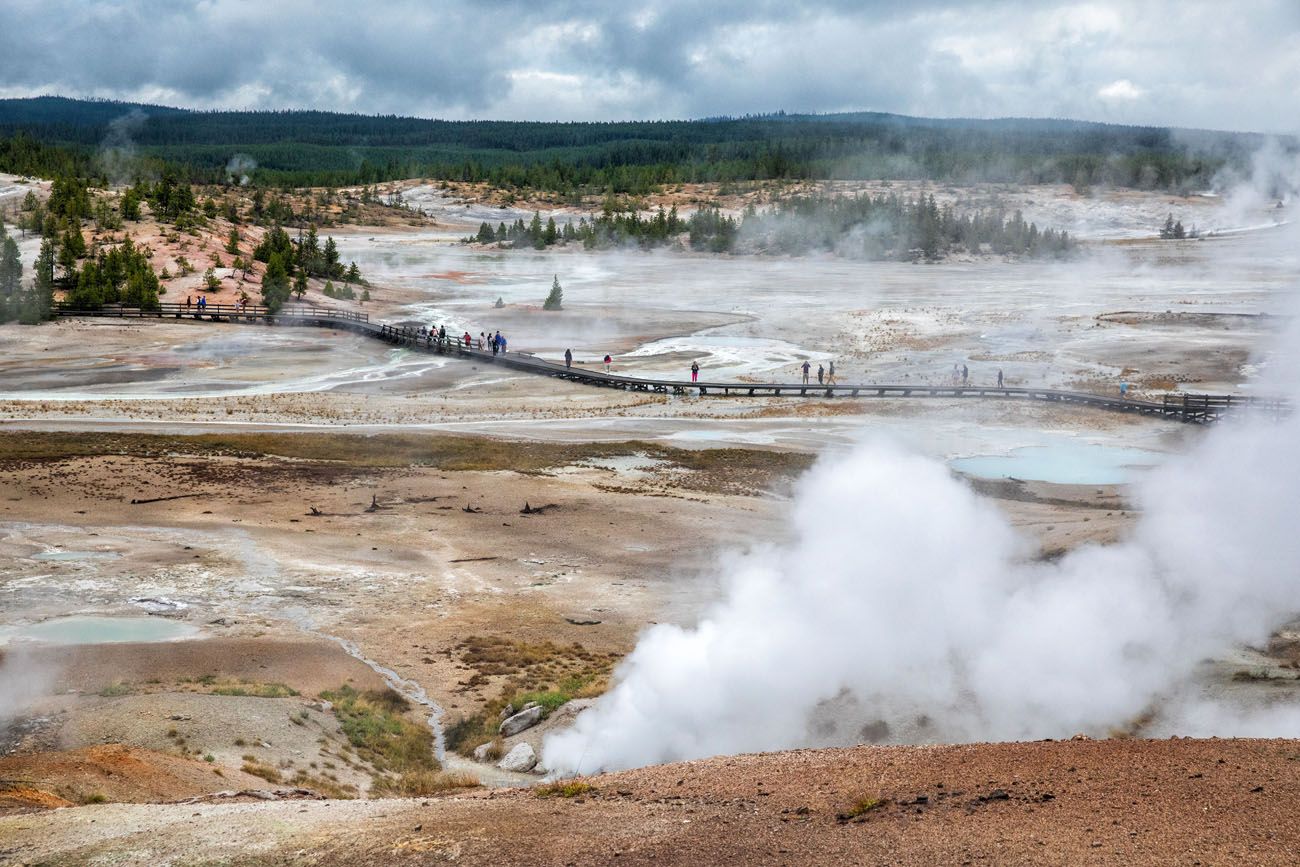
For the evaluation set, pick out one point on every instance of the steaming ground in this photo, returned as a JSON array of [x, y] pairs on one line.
[[1010, 635], [907, 609]]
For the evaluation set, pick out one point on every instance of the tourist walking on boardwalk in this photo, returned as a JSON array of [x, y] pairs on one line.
[[442, 334], [482, 340], [830, 373], [821, 374], [806, 367], [999, 377], [956, 374], [608, 361], [695, 371], [965, 374], [496, 346], [504, 343], [568, 358], [469, 341]]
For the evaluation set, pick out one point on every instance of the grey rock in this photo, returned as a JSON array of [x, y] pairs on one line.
[[521, 721], [481, 752], [521, 759]]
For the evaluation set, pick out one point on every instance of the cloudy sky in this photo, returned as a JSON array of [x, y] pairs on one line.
[[1229, 64]]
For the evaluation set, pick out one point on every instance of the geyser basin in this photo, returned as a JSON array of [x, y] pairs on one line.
[[100, 630], [1062, 463]]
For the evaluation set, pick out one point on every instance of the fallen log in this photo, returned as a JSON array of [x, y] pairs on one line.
[[162, 499]]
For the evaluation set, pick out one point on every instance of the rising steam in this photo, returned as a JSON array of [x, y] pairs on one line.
[[117, 155], [907, 609], [238, 169]]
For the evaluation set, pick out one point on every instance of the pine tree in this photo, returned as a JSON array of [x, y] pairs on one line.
[[39, 300], [554, 301], [333, 268], [275, 283], [232, 243], [11, 273], [535, 231]]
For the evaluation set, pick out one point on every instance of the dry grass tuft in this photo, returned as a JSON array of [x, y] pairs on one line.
[[564, 789]]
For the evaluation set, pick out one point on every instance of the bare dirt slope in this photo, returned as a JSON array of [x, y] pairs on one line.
[[110, 772], [1075, 802]]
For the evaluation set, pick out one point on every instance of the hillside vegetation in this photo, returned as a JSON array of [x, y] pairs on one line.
[[53, 135]]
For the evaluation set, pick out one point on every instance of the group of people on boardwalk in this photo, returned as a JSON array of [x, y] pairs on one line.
[[825, 373], [485, 340], [961, 376]]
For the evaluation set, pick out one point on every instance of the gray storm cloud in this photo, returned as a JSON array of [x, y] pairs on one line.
[[1183, 63]]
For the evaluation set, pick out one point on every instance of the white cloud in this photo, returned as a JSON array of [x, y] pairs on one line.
[[1122, 90]]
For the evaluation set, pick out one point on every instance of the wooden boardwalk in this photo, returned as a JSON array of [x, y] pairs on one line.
[[1195, 408]]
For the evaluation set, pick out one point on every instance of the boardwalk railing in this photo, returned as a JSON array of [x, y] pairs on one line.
[[212, 312], [1197, 408]]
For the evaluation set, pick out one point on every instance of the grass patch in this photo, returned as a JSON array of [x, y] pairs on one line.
[[547, 673], [419, 784], [399, 750], [257, 769], [565, 789], [116, 689], [327, 787], [255, 690], [861, 807], [94, 798]]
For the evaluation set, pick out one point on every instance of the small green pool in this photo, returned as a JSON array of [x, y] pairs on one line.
[[100, 630]]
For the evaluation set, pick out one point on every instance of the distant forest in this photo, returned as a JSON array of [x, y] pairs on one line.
[[860, 227], [55, 136]]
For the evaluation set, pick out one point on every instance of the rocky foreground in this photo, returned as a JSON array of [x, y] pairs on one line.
[[1074, 802]]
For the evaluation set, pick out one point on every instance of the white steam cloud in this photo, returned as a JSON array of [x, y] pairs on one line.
[[117, 152], [22, 681], [238, 168], [907, 609], [1265, 194]]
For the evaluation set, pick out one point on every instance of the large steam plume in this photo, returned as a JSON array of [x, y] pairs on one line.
[[908, 605]]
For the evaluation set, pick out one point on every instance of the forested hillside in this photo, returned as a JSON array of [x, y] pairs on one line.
[[301, 148]]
